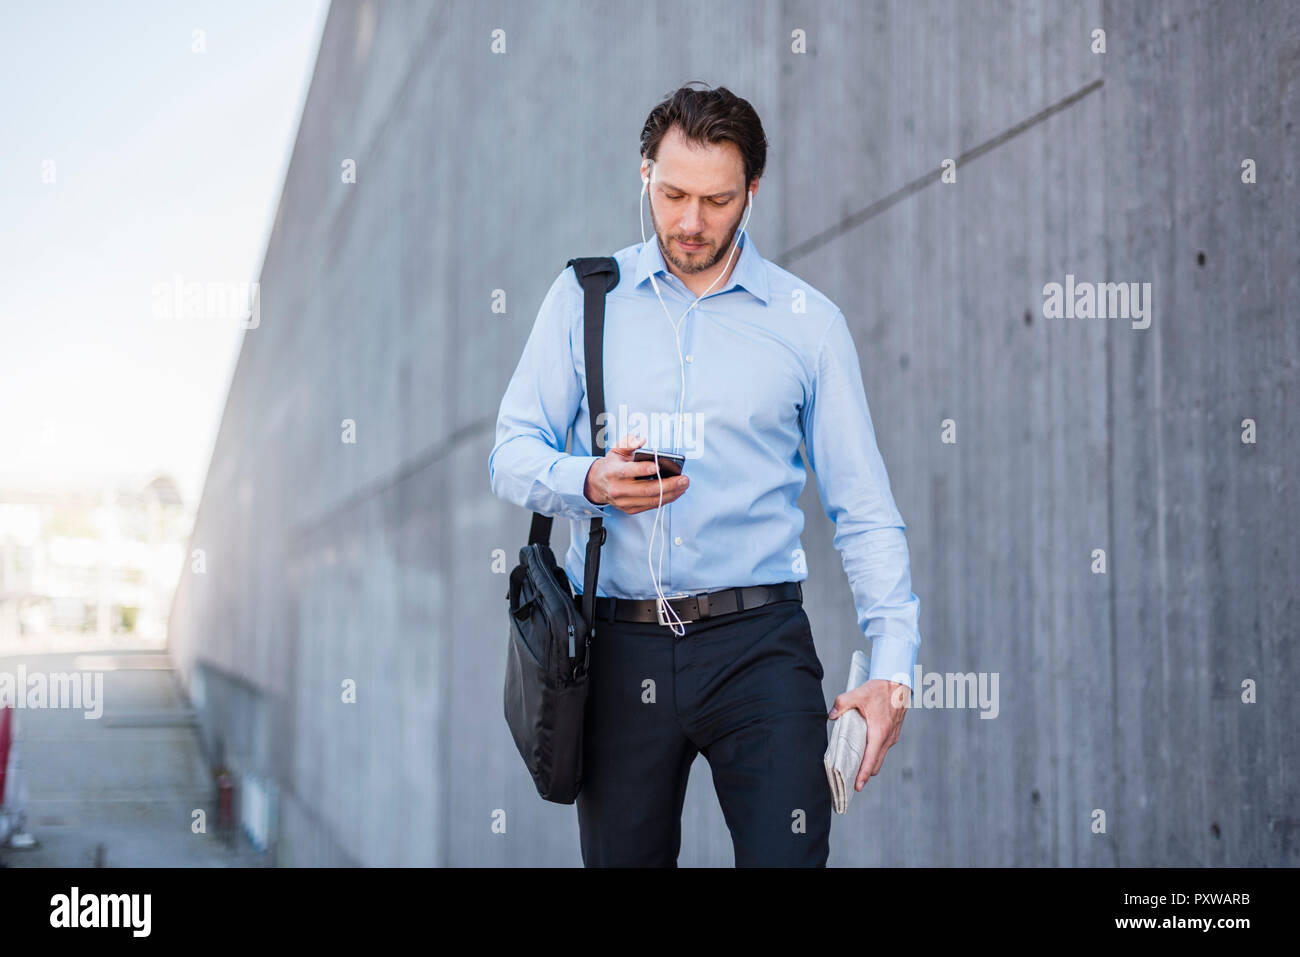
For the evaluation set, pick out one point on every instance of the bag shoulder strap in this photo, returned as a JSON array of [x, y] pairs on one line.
[[598, 275]]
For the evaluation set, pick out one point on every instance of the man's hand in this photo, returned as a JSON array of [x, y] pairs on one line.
[[612, 480], [883, 703]]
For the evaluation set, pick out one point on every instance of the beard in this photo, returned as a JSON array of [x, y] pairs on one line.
[[696, 262]]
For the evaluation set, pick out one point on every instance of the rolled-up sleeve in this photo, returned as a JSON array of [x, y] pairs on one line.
[[855, 493], [528, 465]]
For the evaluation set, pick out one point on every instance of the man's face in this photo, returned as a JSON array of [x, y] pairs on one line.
[[697, 200]]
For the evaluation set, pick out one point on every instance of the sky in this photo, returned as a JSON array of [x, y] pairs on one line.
[[128, 159]]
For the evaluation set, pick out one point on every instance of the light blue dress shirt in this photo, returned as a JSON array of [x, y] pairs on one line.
[[767, 360]]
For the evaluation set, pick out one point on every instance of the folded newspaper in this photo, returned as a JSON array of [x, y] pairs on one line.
[[848, 741]]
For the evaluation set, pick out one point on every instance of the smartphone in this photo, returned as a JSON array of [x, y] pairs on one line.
[[670, 463]]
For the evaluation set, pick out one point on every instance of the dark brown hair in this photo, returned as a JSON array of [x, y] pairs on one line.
[[709, 116]]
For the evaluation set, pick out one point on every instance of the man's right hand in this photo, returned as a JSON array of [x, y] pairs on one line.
[[612, 480]]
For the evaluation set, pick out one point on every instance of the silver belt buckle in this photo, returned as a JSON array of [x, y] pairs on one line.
[[660, 608]]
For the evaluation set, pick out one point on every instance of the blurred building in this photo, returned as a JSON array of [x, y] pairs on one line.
[[91, 567]]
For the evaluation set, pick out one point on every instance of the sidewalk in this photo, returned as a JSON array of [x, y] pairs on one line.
[[119, 790]]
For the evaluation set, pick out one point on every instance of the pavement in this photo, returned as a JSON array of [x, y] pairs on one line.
[[121, 789]]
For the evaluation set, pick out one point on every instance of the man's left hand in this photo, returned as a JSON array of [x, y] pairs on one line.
[[883, 703]]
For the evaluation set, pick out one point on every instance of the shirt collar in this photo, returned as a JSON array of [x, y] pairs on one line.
[[750, 271]]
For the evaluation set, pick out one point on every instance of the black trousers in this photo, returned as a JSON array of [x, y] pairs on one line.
[[744, 690]]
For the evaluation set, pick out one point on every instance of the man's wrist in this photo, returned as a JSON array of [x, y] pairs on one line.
[[570, 481], [892, 659], [587, 487]]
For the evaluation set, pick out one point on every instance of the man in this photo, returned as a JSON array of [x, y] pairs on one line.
[[726, 666]]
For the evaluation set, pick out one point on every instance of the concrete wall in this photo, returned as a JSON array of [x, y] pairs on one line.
[[1118, 692]]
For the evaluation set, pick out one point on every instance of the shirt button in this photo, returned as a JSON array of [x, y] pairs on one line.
[[690, 358], [677, 540]]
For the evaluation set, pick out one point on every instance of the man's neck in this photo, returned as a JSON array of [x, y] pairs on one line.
[[700, 282]]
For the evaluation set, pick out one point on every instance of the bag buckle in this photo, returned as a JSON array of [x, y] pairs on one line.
[[660, 604]]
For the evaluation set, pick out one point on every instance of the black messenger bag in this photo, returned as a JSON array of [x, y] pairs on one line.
[[549, 652]]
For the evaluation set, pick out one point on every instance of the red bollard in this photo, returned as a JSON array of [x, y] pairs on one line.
[[6, 735]]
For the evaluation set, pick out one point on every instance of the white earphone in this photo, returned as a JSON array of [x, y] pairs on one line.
[[654, 575]]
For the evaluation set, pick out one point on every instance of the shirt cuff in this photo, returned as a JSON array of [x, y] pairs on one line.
[[893, 659], [570, 477]]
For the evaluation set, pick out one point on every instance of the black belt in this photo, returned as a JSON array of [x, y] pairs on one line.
[[696, 607]]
